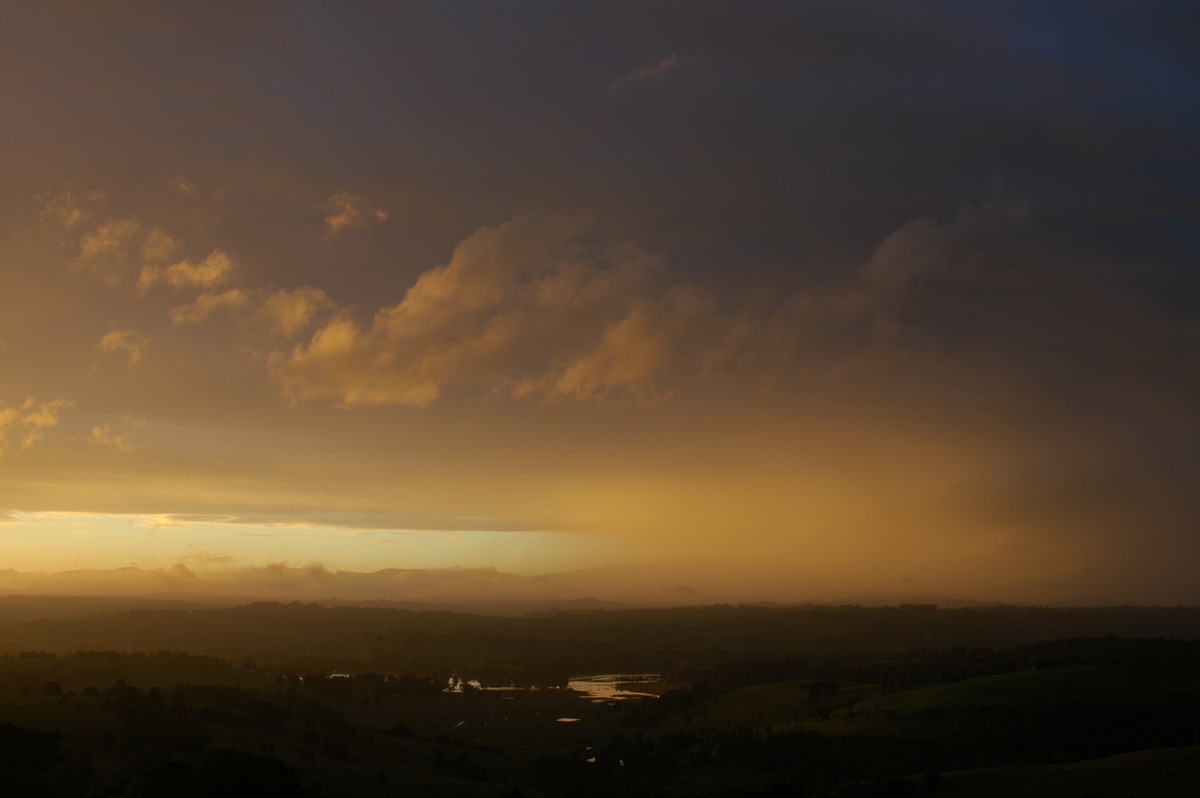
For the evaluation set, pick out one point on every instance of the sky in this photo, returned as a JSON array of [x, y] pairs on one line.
[[656, 302]]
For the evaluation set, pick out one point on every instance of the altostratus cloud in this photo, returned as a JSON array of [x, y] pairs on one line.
[[540, 305]]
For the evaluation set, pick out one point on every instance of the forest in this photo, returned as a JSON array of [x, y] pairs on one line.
[[311, 700]]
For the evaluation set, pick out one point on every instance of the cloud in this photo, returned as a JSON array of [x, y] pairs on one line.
[[635, 348], [178, 572], [647, 73], [105, 436], [288, 311], [130, 342], [26, 422], [106, 250], [205, 558], [157, 247], [215, 270], [925, 247], [182, 186], [65, 211], [110, 239], [213, 575], [208, 303], [344, 211], [540, 305]]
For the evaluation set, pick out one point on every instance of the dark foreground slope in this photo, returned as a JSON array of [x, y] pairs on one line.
[[762, 701], [550, 646]]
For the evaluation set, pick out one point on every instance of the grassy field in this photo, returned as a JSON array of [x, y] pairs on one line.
[[75, 673], [1156, 773], [1092, 716]]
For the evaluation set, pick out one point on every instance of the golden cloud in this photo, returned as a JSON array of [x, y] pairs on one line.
[[208, 303], [25, 423], [105, 436], [539, 305], [105, 248], [158, 247], [215, 270], [288, 311], [129, 342], [65, 211], [344, 211]]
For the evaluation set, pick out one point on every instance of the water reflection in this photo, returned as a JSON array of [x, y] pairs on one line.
[[612, 686], [596, 687]]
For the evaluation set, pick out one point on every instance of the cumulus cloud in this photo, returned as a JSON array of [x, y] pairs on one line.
[[112, 238], [954, 295], [129, 342], [157, 246], [208, 303], [106, 248], [540, 305], [632, 350], [215, 270], [288, 311], [925, 247], [104, 435], [65, 211], [22, 425], [112, 248], [344, 211]]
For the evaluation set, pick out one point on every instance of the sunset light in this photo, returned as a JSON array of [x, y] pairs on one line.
[[783, 302], [623, 399]]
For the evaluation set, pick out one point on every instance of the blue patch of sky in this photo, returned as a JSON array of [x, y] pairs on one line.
[[1130, 73]]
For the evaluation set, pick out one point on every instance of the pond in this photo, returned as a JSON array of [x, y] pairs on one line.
[[595, 687], [612, 686]]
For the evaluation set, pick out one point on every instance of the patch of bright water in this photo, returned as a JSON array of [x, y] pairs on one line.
[[595, 688], [611, 686]]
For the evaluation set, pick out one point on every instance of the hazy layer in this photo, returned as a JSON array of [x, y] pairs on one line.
[[785, 302]]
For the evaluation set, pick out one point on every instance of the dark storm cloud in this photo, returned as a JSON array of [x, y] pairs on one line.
[[781, 141], [797, 131], [951, 231], [899, 110]]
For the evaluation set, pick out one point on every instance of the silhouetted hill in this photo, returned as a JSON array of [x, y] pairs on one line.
[[564, 641], [19, 608], [843, 702], [510, 608]]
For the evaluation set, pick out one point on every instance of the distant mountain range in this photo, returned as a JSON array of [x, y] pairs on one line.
[[31, 595]]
